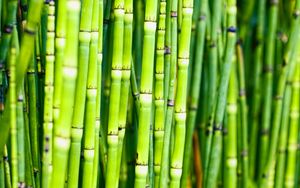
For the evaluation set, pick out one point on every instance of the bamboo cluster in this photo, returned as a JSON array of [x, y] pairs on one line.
[[149, 93]]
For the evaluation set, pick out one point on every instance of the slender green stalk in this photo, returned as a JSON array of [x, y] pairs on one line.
[[60, 44], [167, 59], [280, 89], [80, 95], [243, 110], [256, 100], [165, 158], [215, 155], [125, 80], [212, 77], [62, 130], [7, 168], [98, 137], [91, 98], [194, 90], [230, 145], [13, 111], [293, 129], [181, 93], [267, 84], [159, 111], [48, 97], [2, 174], [33, 117], [141, 169], [284, 128], [115, 89]]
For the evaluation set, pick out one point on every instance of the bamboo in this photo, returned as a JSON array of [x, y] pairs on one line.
[[159, 109], [194, 90], [181, 93], [286, 64], [141, 168], [115, 89], [215, 155], [48, 98], [62, 131]]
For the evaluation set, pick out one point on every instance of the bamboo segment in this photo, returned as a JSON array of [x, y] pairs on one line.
[[115, 89], [159, 111], [48, 99], [62, 131], [181, 93], [141, 169]]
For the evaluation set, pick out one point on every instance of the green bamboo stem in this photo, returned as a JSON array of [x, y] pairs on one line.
[[181, 93], [293, 129], [165, 158], [194, 90], [21, 139], [141, 169], [62, 131], [230, 145], [159, 110], [91, 98], [115, 89], [60, 44], [256, 100], [167, 53], [98, 137], [243, 110], [212, 77], [33, 117], [125, 80], [13, 113], [7, 168], [2, 174], [267, 84], [48, 97], [284, 128], [277, 110], [81, 92], [215, 155]]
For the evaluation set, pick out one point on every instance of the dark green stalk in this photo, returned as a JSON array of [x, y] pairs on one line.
[[33, 117], [167, 53], [194, 90], [256, 99], [62, 131], [212, 77], [267, 85], [216, 150]]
